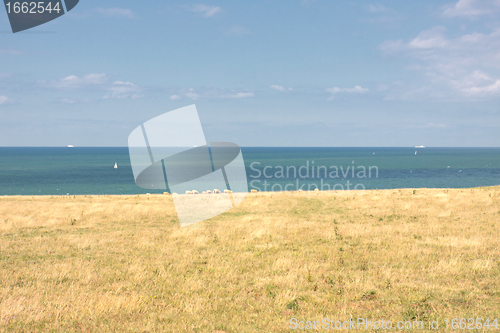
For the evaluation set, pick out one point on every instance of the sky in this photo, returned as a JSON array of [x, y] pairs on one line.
[[261, 73]]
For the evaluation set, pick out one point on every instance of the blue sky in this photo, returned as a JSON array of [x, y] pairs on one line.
[[261, 73]]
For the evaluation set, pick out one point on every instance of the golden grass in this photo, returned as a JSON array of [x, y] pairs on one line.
[[122, 263]]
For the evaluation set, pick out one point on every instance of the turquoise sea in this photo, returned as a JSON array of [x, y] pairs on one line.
[[81, 170]]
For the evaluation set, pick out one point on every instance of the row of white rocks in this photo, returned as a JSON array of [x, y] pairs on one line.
[[215, 191]]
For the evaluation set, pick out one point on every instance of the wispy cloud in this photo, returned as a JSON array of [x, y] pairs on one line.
[[192, 95], [429, 39], [108, 12], [239, 95], [375, 8], [10, 51], [123, 90], [237, 30], [433, 125], [472, 8], [95, 81], [71, 101], [223, 93], [336, 90], [4, 99], [464, 64], [204, 10], [115, 12], [355, 90], [478, 84], [279, 88], [381, 14], [212, 93], [75, 82], [492, 88]]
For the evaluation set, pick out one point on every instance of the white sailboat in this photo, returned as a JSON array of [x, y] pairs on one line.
[[116, 165]]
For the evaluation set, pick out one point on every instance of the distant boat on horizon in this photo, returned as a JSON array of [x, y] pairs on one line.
[[419, 146], [116, 165], [70, 146]]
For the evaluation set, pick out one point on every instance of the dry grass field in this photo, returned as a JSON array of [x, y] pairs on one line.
[[122, 263]]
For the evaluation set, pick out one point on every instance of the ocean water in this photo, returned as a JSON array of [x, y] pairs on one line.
[[61, 171]]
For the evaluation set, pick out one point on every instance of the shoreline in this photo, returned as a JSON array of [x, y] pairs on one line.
[[315, 192]]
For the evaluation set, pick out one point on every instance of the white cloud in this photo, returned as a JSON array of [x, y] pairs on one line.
[[95, 81], [467, 65], [478, 84], [392, 46], [336, 90], [433, 38], [224, 93], [355, 90], [493, 88], [4, 99], [433, 125], [191, 94], [381, 14], [71, 101], [375, 8], [75, 82], [434, 44], [10, 51], [121, 90], [115, 12], [472, 8], [204, 10], [427, 39], [279, 88], [237, 30], [469, 82], [211, 93], [240, 95]]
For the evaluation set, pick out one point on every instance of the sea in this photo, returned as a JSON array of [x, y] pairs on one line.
[[90, 170]]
